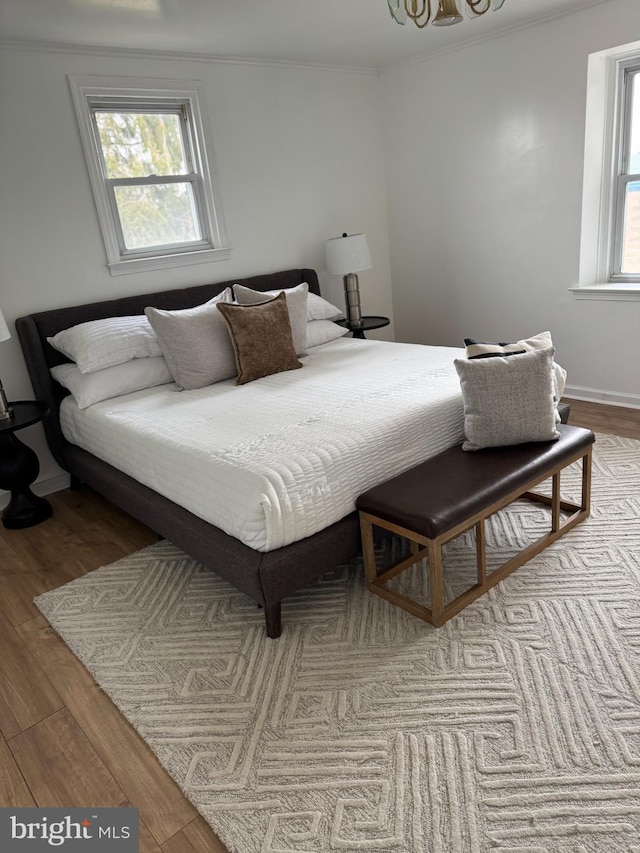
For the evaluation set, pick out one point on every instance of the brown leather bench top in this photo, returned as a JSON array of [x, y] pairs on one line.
[[453, 486]]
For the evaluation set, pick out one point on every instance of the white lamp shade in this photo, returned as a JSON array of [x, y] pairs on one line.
[[348, 254], [5, 334]]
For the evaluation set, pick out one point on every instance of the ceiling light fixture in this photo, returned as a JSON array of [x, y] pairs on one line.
[[441, 13]]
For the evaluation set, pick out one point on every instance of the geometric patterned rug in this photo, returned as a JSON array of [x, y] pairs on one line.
[[514, 728]]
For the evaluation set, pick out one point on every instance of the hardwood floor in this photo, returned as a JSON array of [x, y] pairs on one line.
[[62, 741]]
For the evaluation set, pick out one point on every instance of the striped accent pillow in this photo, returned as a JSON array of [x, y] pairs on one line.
[[486, 349]]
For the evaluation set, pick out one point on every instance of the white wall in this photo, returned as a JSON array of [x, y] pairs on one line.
[[299, 160], [483, 155], [484, 150]]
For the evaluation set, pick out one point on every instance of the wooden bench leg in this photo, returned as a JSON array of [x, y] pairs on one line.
[[368, 550], [555, 503], [586, 482], [435, 581], [481, 552]]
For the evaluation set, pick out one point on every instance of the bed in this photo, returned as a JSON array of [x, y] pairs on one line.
[[306, 443]]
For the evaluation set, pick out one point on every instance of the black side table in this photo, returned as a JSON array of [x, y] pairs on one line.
[[19, 467], [366, 325]]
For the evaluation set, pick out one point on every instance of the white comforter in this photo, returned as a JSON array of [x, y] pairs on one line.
[[281, 458]]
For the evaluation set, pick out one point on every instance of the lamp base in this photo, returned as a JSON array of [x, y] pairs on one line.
[[19, 468], [6, 412], [352, 299]]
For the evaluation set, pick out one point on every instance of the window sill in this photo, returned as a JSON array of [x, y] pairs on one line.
[[161, 262], [608, 292]]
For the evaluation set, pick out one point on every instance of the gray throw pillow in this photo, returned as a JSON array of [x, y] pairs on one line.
[[195, 343], [508, 400], [296, 304]]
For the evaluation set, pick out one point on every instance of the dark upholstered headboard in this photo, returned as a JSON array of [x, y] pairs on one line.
[[34, 329]]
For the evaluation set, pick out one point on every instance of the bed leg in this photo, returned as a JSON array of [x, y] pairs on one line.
[[273, 618], [75, 484]]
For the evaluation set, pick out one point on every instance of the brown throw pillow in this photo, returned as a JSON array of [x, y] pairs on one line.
[[261, 337]]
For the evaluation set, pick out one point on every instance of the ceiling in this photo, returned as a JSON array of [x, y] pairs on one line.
[[357, 33]]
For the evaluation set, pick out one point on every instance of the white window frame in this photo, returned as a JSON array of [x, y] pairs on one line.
[[621, 168], [601, 234], [144, 95]]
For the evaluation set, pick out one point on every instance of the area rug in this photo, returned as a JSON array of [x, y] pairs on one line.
[[514, 727]]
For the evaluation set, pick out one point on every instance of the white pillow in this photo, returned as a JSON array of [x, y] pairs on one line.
[[323, 331], [296, 304], [319, 309], [134, 375], [98, 344], [196, 343]]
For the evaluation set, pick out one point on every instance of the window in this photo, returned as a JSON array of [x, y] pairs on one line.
[[625, 255], [610, 234], [151, 175]]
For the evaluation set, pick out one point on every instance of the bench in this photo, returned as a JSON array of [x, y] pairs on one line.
[[456, 490]]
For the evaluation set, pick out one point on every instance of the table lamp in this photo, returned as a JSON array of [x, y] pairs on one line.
[[5, 409], [346, 256]]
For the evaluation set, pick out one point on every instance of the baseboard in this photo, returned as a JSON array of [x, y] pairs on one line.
[[41, 488], [595, 395]]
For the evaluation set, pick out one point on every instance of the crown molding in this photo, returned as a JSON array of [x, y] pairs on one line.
[[177, 56], [371, 70], [504, 31]]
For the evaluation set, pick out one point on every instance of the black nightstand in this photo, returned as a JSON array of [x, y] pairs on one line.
[[367, 325], [19, 467]]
